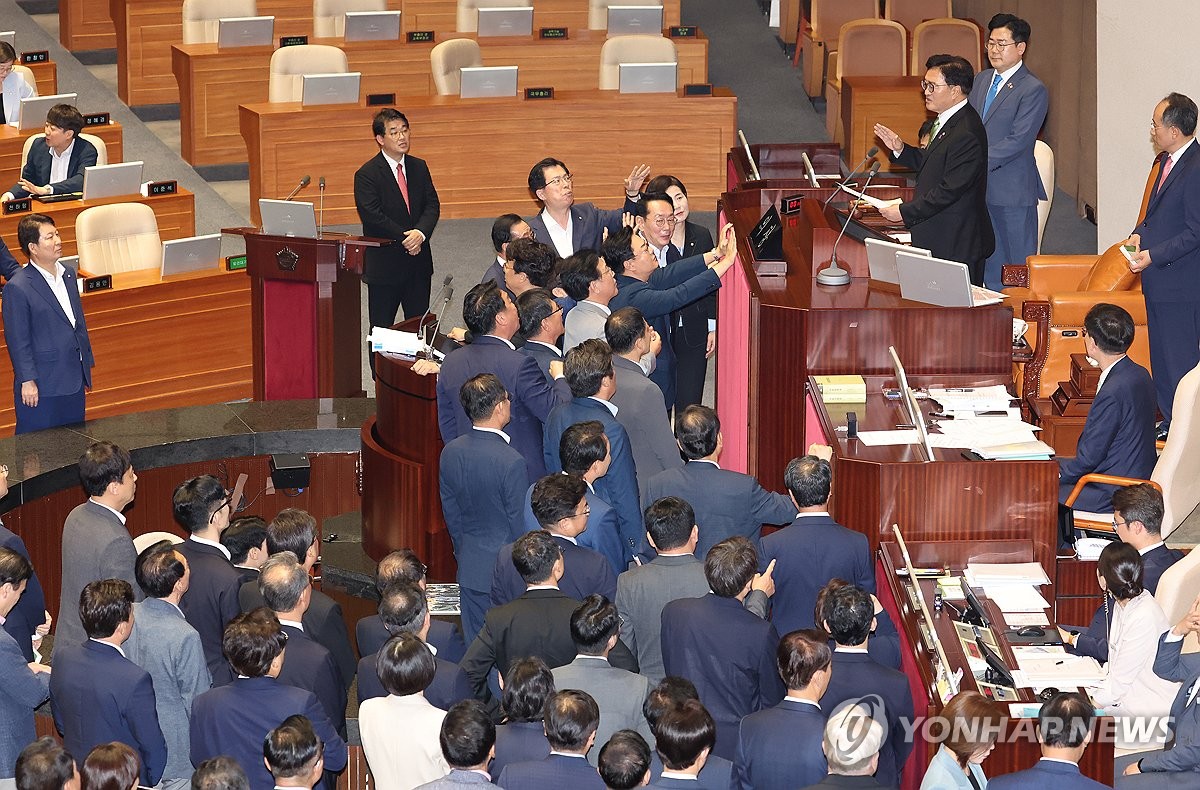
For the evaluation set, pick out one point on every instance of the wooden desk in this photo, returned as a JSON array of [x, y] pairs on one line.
[[147, 29], [895, 102], [12, 142], [85, 24], [179, 342], [212, 82], [1060, 431], [176, 215], [46, 76], [588, 129]]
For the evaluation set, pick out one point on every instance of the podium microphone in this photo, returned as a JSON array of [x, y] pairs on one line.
[[421, 323], [441, 314], [870, 155], [303, 183], [835, 274], [321, 207]]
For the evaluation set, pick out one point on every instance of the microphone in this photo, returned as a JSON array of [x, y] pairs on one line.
[[870, 155], [835, 274], [321, 206], [441, 314], [303, 183], [421, 323]]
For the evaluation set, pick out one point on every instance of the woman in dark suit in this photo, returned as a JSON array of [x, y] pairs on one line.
[[694, 331]]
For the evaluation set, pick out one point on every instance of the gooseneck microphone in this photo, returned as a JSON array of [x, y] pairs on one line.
[[835, 274], [437, 327], [870, 155], [321, 207], [421, 323], [303, 183]]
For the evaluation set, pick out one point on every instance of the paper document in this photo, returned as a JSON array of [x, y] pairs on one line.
[[1016, 451], [871, 201], [1017, 620], [884, 438], [1059, 671], [980, 574], [1016, 598], [394, 341]]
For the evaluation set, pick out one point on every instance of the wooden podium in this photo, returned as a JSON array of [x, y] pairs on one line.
[[305, 314]]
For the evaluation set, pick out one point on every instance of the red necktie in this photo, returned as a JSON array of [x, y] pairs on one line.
[[403, 182], [1166, 169]]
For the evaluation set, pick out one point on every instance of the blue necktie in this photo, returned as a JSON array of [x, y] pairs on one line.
[[991, 94]]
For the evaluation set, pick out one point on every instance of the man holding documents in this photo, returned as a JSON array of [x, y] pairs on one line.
[[948, 213]]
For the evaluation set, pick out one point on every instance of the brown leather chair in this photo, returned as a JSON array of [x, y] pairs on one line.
[[869, 47], [911, 13], [960, 37], [820, 35]]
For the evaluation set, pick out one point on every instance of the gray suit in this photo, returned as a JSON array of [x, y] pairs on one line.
[[167, 647], [619, 693], [585, 321], [457, 779], [95, 545], [641, 410], [643, 591], [20, 693]]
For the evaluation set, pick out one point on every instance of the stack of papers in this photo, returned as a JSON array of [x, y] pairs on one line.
[[1011, 586], [972, 399], [1058, 671], [393, 341], [1016, 598]]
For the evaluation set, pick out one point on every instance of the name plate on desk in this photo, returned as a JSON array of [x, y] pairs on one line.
[[236, 263], [539, 93], [552, 32], [766, 240], [18, 206], [97, 119], [420, 36], [162, 188], [101, 282], [697, 89], [681, 31], [292, 41], [381, 99], [40, 56]]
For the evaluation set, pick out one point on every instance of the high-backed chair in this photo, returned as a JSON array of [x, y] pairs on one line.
[[27, 75], [290, 64], [632, 49], [329, 16], [448, 59], [911, 13], [1044, 156], [201, 17], [468, 11], [1177, 590], [946, 36], [119, 237], [148, 539], [869, 47], [101, 147], [822, 35]]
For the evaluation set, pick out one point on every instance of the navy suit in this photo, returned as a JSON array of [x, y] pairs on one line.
[[543, 355], [1117, 438], [495, 273], [1171, 284], [38, 164], [726, 503], [1094, 641], [518, 741], [443, 636], [308, 665], [45, 348], [858, 676], [449, 685], [533, 397], [717, 774], [780, 748], [1181, 758], [1045, 773], [233, 720], [807, 554], [729, 654], [619, 486], [21, 692], [588, 224], [98, 696], [211, 602], [585, 572], [689, 335], [30, 611], [323, 622], [8, 264], [555, 772], [602, 533]]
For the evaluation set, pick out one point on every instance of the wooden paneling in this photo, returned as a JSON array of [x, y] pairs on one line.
[[12, 141], [464, 139], [85, 24], [176, 215], [46, 77], [212, 82], [895, 102]]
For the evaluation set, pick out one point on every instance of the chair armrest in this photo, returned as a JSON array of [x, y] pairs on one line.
[[1070, 308], [1015, 275], [1112, 480], [1050, 274]]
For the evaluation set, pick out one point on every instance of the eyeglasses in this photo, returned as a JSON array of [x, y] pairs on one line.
[[930, 87], [668, 222], [226, 502], [562, 180], [554, 312], [990, 44], [531, 235], [587, 511], [1117, 522], [398, 133]]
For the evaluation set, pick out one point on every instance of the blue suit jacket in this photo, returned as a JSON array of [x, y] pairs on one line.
[[726, 503], [211, 602], [555, 772], [308, 665], [30, 611], [98, 696], [533, 397], [602, 534], [1012, 123], [619, 487], [444, 636], [1094, 641], [42, 344], [518, 741], [857, 676], [481, 482], [780, 748], [1183, 753], [37, 167], [8, 264], [449, 685], [807, 554], [588, 224], [542, 355], [1117, 438], [20, 693], [729, 654], [585, 572], [1045, 773], [1171, 232], [233, 720]]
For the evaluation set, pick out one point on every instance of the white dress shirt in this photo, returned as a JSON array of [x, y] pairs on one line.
[[58, 285], [561, 237], [60, 164]]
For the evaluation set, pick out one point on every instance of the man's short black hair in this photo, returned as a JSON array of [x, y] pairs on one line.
[[1111, 327], [642, 208], [582, 445], [683, 732], [730, 565], [618, 248], [65, 117], [537, 174], [586, 366], [571, 718], [527, 685], [292, 530], [405, 665], [809, 479], [624, 760], [480, 395], [291, 749], [159, 568], [467, 734], [103, 605], [44, 765], [593, 623], [1065, 721], [1180, 113], [556, 497], [243, 534], [1141, 502], [102, 463], [696, 430], [624, 328], [533, 259], [195, 501], [481, 306], [1018, 27], [848, 613], [670, 691], [578, 272], [220, 773], [800, 655], [955, 70], [29, 231], [403, 608], [533, 307], [534, 555], [252, 640], [14, 568], [502, 229], [669, 521], [383, 118]]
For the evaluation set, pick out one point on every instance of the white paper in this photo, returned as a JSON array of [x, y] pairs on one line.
[[871, 201], [985, 573], [393, 341], [1016, 598], [1060, 671], [1035, 651], [885, 438], [1017, 620]]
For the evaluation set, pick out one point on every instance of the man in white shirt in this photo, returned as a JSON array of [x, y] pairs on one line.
[[56, 161], [570, 226]]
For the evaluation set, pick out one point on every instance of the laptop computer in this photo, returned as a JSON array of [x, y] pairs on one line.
[[330, 89], [191, 254], [648, 77], [288, 218], [498, 21], [881, 258], [245, 31], [484, 82], [372, 26], [629, 20], [32, 113], [105, 181], [940, 282]]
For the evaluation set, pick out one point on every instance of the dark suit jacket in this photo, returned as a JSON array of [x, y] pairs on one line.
[[518, 741], [641, 410], [602, 533], [211, 602], [308, 665], [495, 273], [233, 720], [717, 773], [121, 708], [854, 782], [1094, 641], [807, 554], [1183, 752], [323, 622], [443, 636], [384, 214], [1117, 438], [533, 397], [30, 611], [449, 685], [1045, 773], [37, 167], [619, 486], [555, 772], [858, 676], [21, 692], [693, 318], [42, 344], [543, 355], [482, 482], [1012, 123], [948, 213], [588, 224], [8, 264], [585, 572], [726, 503], [1171, 232], [729, 654], [780, 748]]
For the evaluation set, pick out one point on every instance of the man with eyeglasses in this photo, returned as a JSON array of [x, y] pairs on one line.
[[570, 226], [948, 213], [1012, 103], [14, 87]]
